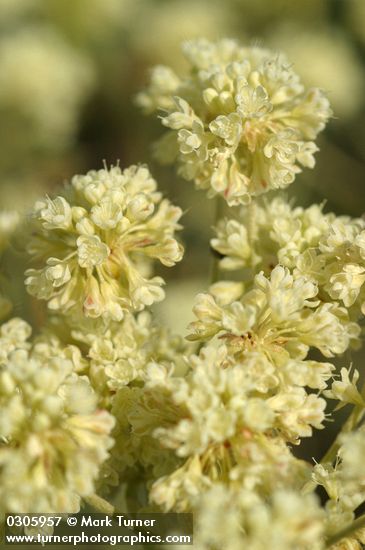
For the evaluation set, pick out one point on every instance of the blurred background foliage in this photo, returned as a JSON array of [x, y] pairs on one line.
[[70, 69]]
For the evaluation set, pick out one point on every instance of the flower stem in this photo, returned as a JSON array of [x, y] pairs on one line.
[[352, 421], [100, 504], [351, 529], [251, 222], [214, 273]]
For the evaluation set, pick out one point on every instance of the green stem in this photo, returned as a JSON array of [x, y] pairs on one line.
[[100, 504], [347, 427], [352, 421], [251, 222], [351, 529], [214, 273]]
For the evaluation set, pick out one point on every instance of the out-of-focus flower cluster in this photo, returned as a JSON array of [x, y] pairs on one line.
[[95, 243], [41, 94], [344, 484], [8, 222], [293, 521], [334, 57], [118, 358], [169, 26], [53, 436], [240, 123]]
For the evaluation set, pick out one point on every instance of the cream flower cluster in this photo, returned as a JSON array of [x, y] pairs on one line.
[[280, 316], [105, 396], [289, 519], [250, 391], [120, 359], [228, 430], [350, 469], [53, 437], [94, 243], [240, 123], [139, 410], [119, 352], [225, 421], [344, 483], [326, 249], [213, 440]]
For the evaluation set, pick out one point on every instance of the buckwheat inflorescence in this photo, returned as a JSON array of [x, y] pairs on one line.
[[105, 396], [53, 437], [240, 122], [95, 242]]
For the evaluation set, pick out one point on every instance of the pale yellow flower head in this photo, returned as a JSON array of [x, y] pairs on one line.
[[120, 352], [53, 437], [94, 243], [240, 122], [280, 313], [287, 519], [323, 247]]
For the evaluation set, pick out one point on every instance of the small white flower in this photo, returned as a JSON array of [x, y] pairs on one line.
[[91, 251], [345, 390], [55, 214], [228, 128], [252, 102], [107, 214]]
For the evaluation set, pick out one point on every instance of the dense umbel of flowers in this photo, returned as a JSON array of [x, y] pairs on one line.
[[53, 437], [240, 123], [281, 310], [117, 354], [215, 420], [326, 249], [95, 242], [245, 396], [218, 435], [287, 519]]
